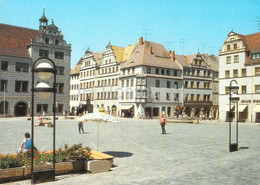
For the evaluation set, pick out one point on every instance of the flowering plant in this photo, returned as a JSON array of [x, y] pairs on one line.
[[74, 153]]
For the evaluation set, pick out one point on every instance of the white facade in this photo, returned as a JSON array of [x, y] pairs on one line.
[[236, 62]]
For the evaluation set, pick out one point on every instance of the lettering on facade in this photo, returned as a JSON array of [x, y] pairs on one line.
[[249, 101]]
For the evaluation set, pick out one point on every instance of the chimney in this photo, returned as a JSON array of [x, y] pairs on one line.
[[172, 55], [150, 50], [140, 41]]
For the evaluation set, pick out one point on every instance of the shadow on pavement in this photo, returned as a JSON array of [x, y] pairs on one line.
[[243, 147], [119, 154]]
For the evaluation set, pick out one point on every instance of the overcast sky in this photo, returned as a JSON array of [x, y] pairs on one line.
[[184, 26]]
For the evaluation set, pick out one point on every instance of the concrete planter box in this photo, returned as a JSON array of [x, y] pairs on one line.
[[91, 166]]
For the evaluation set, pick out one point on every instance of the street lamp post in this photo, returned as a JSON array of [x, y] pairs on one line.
[[44, 71], [234, 99]]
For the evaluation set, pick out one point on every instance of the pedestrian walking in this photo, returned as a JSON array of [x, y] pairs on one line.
[[80, 124], [163, 122]]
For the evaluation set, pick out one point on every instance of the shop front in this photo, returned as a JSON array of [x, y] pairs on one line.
[[257, 113], [197, 109]]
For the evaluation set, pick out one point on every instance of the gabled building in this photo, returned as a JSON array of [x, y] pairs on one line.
[[145, 79], [19, 48], [200, 92], [239, 59]]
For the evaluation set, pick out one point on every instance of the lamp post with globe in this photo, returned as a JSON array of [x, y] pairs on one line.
[[44, 70], [233, 98]]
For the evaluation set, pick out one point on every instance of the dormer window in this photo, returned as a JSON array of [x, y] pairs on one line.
[[256, 56]]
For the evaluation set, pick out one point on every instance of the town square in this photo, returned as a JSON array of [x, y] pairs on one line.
[[129, 92], [188, 154]]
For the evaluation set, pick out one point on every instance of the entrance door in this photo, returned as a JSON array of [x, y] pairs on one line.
[[155, 111], [169, 111], [20, 109]]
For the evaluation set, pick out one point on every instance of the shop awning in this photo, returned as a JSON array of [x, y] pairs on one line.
[[227, 107], [126, 107], [257, 108], [241, 108]]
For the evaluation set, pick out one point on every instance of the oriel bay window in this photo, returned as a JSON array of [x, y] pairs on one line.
[[21, 86]]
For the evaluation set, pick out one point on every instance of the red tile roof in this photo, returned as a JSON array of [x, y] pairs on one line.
[[252, 41], [14, 40]]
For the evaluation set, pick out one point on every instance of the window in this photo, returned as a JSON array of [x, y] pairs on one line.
[[162, 71], [4, 65], [186, 85], [59, 55], [192, 97], [236, 58], [227, 90], [235, 73], [168, 84], [168, 96], [123, 72], [235, 46], [132, 82], [243, 89], [157, 83], [127, 95], [257, 88], [192, 85], [131, 95], [198, 97], [256, 55], [123, 83], [187, 97], [157, 95], [133, 70], [228, 60], [4, 85], [198, 85], [43, 53], [21, 86], [56, 42], [149, 70], [168, 72], [176, 86], [23, 67], [227, 74], [60, 70], [228, 47], [127, 83], [42, 107], [193, 72], [60, 87], [157, 71], [198, 72], [176, 96], [47, 40], [257, 71], [175, 73], [243, 72], [60, 108]]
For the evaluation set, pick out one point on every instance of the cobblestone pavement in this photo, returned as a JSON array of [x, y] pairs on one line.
[[188, 154]]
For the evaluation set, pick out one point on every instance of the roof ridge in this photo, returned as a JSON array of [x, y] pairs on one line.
[[18, 27]]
